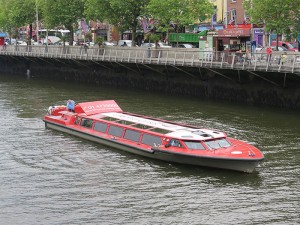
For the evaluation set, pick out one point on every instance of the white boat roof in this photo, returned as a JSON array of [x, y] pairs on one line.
[[176, 131]]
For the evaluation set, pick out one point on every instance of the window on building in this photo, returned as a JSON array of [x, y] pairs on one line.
[[233, 15]]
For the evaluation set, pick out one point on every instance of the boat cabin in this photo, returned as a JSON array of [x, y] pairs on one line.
[[145, 131]]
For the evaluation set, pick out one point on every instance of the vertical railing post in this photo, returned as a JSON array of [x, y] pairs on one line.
[[222, 59], [159, 52], [211, 58], [167, 58], [280, 64], [104, 52], [143, 56], [193, 59], [294, 61], [175, 59], [268, 62], [256, 58]]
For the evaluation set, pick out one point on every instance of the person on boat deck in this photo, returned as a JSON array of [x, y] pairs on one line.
[[71, 105]]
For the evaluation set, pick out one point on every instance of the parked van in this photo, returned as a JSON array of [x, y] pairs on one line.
[[125, 43], [287, 45]]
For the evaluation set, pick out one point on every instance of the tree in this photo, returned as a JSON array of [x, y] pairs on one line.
[[178, 12], [153, 38], [62, 13], [280, 17], [5, 22], [17, 13], [125, 15], [99, 41]]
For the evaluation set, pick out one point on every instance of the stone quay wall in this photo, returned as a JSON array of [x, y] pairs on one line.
[[259, 88]]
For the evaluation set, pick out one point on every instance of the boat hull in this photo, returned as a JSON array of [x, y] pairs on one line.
[[242, 165]]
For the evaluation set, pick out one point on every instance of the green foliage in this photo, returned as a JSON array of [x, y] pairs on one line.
[[89, 36], [278, 16], [180, 12], [125, 15], [16, 13], [154, 38], [99, 41], [62, 13]]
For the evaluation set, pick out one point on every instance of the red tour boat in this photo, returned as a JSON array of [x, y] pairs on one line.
[[105, 122]]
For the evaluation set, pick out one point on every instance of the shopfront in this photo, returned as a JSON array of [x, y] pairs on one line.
[[258, 36], [232, 40]]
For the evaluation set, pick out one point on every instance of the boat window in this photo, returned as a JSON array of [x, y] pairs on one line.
[[109, 118], [196, 145], [115, 131], [132, 135], [77, 120], [125, 122], [161, 131], [174, 143], [102, 127], [142, 126], [86, 123], [151, 140], [217, 143]]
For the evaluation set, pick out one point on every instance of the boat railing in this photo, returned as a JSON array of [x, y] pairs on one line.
[[256, 61]]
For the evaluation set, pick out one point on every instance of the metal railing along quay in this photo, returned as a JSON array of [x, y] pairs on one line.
[[259, 61]]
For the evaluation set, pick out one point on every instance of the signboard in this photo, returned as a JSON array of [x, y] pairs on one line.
[[234, 32], [258, 31], [90, 108], [239, 26]]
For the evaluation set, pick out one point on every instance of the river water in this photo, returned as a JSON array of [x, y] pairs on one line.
[[49, 177]]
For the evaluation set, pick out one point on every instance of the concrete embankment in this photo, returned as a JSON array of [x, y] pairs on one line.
[[262, 88]]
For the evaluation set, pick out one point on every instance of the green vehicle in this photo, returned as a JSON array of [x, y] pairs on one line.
[[192, 38]]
